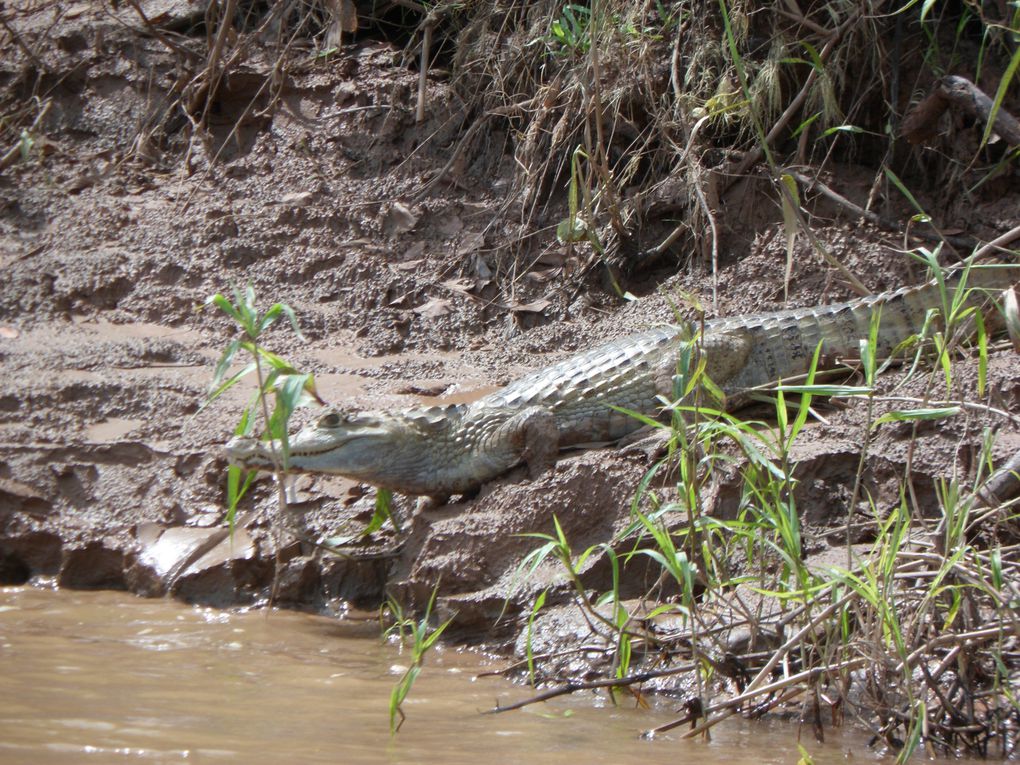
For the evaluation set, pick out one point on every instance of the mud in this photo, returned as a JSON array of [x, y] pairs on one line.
[[111, 473]]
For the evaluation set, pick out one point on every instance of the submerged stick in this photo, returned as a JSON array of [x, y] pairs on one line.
[[730, 705], [613, 682]]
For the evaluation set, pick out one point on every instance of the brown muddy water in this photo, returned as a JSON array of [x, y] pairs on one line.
[[104, 677]]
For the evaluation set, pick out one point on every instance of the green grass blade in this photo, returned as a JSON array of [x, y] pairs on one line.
[[906, 192], [383, 512], [224, 305], [1000, 94], [913, 415], [529, 646]]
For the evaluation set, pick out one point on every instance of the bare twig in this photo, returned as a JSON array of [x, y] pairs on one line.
[[999, 242], [804, 21], [755, 154], [732, 705], [423, 70], [213, 72], [1003, 485], [11, 155], [715, 243], [613, 682], [813, 184], [511, 668], [159, 35], [411, 5], [22, 44], [856, 284]]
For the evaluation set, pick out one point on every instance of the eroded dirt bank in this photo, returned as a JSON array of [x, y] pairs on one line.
[[422, 268]]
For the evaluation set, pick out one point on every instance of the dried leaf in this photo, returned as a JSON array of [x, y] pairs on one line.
[[344, 19], [400, 301], [408, 265], [399, 219], [449, 225], [471, 244], [555, 257], [76, 10], [433, 309], [462, 284], [541, 277], [348, 16], [535, 306], [791, 201], [415, 251], [482, 268], [297, 198]]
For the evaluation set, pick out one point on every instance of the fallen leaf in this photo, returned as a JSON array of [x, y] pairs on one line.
[[449, 226], [433, 309], [399, 219], [572, 230], [348, 16], [297, 198], [462, 284], [415, 251], [399, 302], [541, 277], [408, 265], [535, 306], [76, 10], [471, 244], [556, 257], [482, 268]]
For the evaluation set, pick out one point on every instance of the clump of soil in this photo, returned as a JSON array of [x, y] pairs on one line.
[[155, 153]]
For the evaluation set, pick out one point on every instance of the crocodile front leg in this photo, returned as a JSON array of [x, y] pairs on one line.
[[481, 449], [530, 437], [536, 431], [726, 354]]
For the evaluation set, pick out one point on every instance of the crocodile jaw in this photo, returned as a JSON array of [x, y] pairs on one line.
[[309, 453], [382, 450]]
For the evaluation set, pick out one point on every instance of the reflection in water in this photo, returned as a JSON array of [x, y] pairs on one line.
[[121, 679]]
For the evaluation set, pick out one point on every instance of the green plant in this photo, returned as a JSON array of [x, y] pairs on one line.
[[26, 145], [583, 206], [892, 621], [423, 637], [288, 387], [572, 30], [289, 390], [536, 608]]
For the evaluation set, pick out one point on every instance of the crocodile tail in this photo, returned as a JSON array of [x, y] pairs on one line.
[[906, 312], [783, 344]]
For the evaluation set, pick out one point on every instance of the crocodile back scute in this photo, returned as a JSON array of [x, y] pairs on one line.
[[581, 390]]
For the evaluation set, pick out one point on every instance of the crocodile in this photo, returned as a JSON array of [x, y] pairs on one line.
[[439, 451]]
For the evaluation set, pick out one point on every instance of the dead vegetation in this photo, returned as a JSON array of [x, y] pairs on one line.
[[665, 119]]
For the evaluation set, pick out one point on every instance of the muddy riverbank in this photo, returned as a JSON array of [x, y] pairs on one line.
[[421, 259]]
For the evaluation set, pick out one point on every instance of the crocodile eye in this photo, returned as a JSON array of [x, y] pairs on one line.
[[331, 420]]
